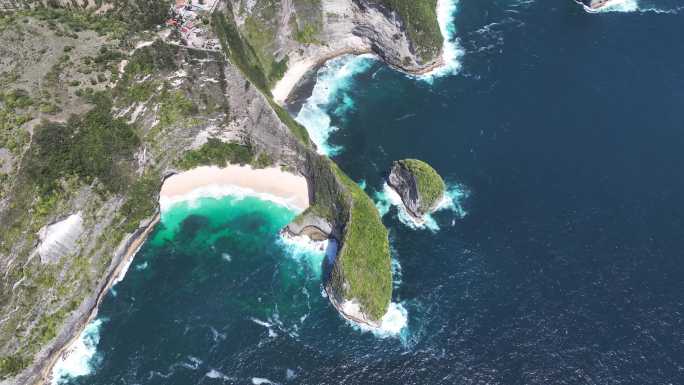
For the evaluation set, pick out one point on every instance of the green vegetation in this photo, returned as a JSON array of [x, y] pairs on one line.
[[307, 34], [260, 36], [72, 21], [173, 107], [252, 53], [239, 51], [156, 57], [216, 153], [12, 365], [88, 146], [142, 200], [125, 17], [420, 19], [243, 56], [13, 114], [364, 258], [365, 255], [430, 185], [307, 22], [297, 129]]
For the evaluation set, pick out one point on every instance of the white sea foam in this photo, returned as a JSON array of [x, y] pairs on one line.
[[290, 374], [615, 6], [124, 269], [333, 79], [142, 266], [306, 251], [397, 274], [452, 201], [453, 52], [213, 373], [219, 191], [261, 381], [393, 324], [80, 357], [628, 6], [226, 257]]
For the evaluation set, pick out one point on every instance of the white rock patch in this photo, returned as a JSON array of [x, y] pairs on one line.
[[59, 239]]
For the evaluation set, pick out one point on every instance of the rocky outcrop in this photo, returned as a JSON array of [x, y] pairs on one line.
[[312, 226], [386, 34], [421, 189], [405, 184]]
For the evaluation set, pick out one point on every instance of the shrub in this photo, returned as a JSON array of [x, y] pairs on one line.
[[216, 153], [90, 146]]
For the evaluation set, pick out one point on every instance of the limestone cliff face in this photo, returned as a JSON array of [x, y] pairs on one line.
[[315, 31], [405, 184]]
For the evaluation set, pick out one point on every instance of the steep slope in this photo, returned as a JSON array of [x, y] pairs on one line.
[[95, 113]]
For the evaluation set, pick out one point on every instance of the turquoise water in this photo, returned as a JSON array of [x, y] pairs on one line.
[[556, 261], [214, 281]]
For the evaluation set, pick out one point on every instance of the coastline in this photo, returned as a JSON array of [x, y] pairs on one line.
[[210, 181], [187, 189], [270, 184], [76, 327], [293, 76], [296, 72]]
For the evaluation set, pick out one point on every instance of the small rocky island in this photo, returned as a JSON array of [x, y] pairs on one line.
[[421, 188]]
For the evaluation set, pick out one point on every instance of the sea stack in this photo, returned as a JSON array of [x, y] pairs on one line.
[[421, 188]]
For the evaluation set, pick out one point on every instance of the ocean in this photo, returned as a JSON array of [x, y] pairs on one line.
[[556, 259]]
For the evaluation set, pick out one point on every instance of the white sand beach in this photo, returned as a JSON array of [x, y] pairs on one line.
[[268, 183]]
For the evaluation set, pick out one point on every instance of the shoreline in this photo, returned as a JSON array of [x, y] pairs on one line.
[[284, 188], [336, 304], [295, 73], [292, 78], [133, 245], [271, 184]]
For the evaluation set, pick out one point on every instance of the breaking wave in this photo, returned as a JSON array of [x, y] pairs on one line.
[[452, 201], [307, 252], [393, 324], [628, 6], [453, 52], [333, 79], [194, 197], [81, 357]]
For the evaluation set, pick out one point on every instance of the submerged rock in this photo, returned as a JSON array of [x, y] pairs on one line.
[[419, 185]]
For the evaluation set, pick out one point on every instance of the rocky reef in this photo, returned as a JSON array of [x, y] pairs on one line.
[[421, 188]]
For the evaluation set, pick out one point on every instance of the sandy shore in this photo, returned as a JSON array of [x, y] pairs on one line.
[[268, 183], [296, 71]]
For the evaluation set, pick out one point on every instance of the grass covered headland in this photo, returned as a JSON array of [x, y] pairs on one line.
[[430, 184], [363, 266], [364, 258], [420, 20]]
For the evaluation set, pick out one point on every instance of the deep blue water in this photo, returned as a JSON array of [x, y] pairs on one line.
[[564, 129]]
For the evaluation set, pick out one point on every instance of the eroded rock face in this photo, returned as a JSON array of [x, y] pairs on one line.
[[60, 238], [406, 185], [312, 226]]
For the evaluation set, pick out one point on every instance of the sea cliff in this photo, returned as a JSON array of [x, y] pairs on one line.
[[146, 105]]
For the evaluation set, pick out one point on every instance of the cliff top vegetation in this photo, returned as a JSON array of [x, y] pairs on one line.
[[430, 184]]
